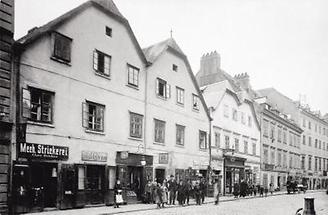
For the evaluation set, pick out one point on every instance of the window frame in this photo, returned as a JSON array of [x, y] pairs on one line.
[[134, 69], [100, 108], [166, 89], [202, 136], [180, 95], [178, 135], [133, 124], [108, 31], [162, 126], [96, 68], [57, 54], [195, 102]]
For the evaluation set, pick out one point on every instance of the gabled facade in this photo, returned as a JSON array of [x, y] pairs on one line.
[[83, 103], [177, 120], [235, 130]]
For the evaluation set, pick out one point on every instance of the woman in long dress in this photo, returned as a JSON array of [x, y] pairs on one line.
[[164, 193]]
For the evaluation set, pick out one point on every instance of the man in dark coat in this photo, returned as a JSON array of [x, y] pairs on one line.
[[202, 187], [197, 193], [172, 187], [188, 190]]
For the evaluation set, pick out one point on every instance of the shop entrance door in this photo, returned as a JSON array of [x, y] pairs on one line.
[[43, 185], [95, 184], [228, 182], [135, 183], [160, 175]]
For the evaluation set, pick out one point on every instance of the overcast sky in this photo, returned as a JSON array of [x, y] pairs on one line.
[[279, 43]]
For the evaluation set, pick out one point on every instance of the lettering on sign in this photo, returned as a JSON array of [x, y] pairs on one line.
[[94, 156], [42, 151], [163, 158]]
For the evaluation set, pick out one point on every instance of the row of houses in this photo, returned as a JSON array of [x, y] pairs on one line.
[[82, 105]]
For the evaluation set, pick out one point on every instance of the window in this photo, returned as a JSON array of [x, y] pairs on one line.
[[279, 158], [319, 145], [273, 156], [284, 133], [62, 47], [236, 144], [265, 128], [81, 177], [226, 111], [163, 89], [310, 162], [319, 160], [304, 123], [195, 102], [304, 140], [217, 139], [284, 159], [290, 160], [37, 105], [101, 63], [245, 147], [109, 31], [310, 141], [272, 133], [136, 125], [174, 67], [290, 139], [227, 142], [243, 119], [249, 121], [159, 131], [254, 148], [265, 155], [180, 95], [316, 128], [316, 143], [279, 134], [202, 140], [133, 76], [309, 125], [316, 164], [180, 135], [234, 114], [93, 116]]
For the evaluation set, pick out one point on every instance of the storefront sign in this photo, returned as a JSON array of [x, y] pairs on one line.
[[94, 156], [163, 158], [42, 151]]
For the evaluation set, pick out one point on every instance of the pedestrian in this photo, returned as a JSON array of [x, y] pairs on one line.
[[202, 186], [243, 188], [165, 191], [188, 190], [118, 199], [216, 188], [254, 189], [148, 188], [271, 188], [261, 190], [181, 193], [172, 186], [158, 195], [153, 192], [266, 190], [236, 190], [197, 193]]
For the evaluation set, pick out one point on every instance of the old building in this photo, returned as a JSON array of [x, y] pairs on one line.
[[235, 147], [177, 119], [281, 146], [99, 108], [7, 99], [314, 151]]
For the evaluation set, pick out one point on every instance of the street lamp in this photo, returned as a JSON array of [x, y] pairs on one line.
[[143, 160]]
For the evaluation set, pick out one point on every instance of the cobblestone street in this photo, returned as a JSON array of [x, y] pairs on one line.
[[273, 205]]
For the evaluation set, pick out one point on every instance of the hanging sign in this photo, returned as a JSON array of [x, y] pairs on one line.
[[163, 158], [42, 151]]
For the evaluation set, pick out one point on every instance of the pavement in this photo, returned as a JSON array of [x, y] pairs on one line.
[[137, 208]]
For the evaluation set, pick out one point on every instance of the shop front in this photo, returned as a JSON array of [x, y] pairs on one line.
[[133, 170], [234, 172], [36, 182]]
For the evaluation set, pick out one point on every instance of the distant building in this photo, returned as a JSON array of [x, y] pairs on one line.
[[314, 139], [235, 147], [7, 99]]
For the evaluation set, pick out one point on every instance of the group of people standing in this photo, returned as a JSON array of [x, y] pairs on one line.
[[243, 189], [168, 192]]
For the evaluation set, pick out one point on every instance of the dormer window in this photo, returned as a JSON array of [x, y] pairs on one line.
[[61, 47], [174, 68]]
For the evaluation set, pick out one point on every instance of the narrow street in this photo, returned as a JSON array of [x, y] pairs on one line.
[[272, 205]]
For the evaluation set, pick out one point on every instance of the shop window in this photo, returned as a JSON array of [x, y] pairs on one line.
[[93, 116], [136, 125], [93, 177], [163, 89], [202, 140], [159, 131], [61, 47], [38, 105], [133, 76], [195, 102], [180, 132], [111, 177], [180, 95], [101, 63]]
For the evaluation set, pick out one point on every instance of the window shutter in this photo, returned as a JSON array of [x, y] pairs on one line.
[[107, 65], [157, 87], [102, 110], [168, 91], [26, 102], [66, 48], [95, 60], [85, 114]]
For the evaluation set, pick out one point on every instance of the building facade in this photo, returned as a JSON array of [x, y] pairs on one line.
[[7, 99], [280, 147], [235, 144], [313, 139], [97, 108]]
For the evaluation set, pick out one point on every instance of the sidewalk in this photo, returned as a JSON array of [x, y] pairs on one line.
[[144, 207]]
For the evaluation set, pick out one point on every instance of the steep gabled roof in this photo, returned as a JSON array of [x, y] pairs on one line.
[[153, 52], [106, 6]]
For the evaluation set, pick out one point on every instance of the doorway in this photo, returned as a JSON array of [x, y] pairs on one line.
[[160, 175], [95, 183], [135, 182]]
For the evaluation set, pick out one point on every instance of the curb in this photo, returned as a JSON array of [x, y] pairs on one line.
[[208, 202]]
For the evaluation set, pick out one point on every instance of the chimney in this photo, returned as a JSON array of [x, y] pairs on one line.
[[210, 63], [243, 80]]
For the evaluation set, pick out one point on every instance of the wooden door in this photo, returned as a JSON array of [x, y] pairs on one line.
[[68, 186]]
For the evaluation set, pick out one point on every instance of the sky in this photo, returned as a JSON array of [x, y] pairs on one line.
[[279, 43]]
